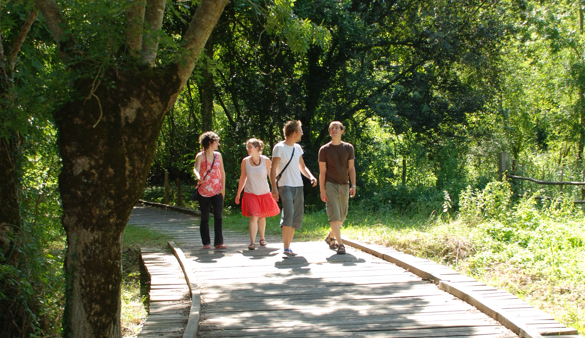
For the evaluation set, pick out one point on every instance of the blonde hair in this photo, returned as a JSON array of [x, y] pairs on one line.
[[290, 127], [256, 143]]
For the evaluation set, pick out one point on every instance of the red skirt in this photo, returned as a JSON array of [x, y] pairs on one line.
[[259, 205]]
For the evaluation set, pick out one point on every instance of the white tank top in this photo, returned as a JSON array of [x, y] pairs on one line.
[[257, 177]]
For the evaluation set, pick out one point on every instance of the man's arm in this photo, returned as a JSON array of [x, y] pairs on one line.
[[322, 176], [275, 161], [351, 170], [305, 171]]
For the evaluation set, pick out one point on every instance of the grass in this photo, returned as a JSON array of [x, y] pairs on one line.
[[134, 309]]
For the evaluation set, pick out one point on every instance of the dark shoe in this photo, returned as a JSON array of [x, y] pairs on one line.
[[341, 250], [331, 242], [252, 246]]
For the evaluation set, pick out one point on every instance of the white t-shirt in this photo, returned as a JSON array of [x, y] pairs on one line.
[[292, 176]]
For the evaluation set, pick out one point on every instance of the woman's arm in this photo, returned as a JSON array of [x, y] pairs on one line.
[[196, 168], [243, 178], [222, 170]]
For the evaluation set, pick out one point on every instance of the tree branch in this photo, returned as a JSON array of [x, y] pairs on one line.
[[54, 19], [225, 110], [134, 27], [15, 49], [197, 34], [153, 18]]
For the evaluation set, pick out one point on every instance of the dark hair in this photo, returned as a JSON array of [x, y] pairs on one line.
[[290, 127], [256, 143], [207, 138]]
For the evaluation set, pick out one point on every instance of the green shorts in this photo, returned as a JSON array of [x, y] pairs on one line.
[[337, 201]]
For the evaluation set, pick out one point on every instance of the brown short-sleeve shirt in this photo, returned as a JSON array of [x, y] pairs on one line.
[[337, 158]]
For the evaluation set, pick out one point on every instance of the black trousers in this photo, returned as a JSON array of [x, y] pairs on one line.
[[204, 205]]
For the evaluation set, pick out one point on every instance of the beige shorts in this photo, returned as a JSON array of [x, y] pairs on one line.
[[337, 201]]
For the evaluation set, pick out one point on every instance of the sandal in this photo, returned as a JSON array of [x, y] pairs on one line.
[[263, 242], [341, 250], [252, 246], [289, 252], [220, 246], [207, 246], [331, 242]]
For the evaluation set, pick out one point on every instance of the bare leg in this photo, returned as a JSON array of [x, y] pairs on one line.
[[331, 234], [287, 235], [253, 228], [336, 231], [262, 227]]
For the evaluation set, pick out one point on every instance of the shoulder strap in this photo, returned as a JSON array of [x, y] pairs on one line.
[[286, 166], [207, 173]]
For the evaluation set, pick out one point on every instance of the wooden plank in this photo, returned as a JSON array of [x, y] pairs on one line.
[[434, 331], [341, 320]]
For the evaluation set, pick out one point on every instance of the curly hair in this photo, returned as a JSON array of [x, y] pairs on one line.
[[207, 138]]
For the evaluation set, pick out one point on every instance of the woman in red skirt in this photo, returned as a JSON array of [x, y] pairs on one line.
[[257, 203]]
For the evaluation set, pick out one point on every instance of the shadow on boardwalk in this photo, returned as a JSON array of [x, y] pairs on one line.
[[263, 293], [318, 293]]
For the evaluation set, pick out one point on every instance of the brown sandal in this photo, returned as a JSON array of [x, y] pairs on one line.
[[341, 250], [331, 242], [263, 242], [252, 246]]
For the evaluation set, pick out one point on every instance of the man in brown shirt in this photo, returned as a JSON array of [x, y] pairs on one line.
[[336, 170]]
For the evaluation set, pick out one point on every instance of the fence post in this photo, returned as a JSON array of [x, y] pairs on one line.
[[167, 188], [179, 197], [503, 164]]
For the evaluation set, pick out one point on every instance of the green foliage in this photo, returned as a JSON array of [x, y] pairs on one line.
[[492, 202]]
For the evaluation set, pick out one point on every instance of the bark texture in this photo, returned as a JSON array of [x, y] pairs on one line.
[[104, 170], [153, 18], [107, 143], [206, 89], [197, 34], [134, 27]]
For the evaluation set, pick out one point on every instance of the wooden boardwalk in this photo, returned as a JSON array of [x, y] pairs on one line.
[[263, 293], [170, 300], [318, 293]]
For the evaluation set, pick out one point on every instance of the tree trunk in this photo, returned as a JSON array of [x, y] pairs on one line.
[[206, 89], [107, 144], [10, 211]]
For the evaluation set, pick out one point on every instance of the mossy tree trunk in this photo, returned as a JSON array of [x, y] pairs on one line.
[[107, 149], [107, 143]]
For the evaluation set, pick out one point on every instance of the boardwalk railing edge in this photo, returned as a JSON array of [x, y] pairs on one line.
[[481, 303], [171, 207], [193, 321]]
